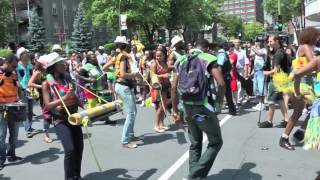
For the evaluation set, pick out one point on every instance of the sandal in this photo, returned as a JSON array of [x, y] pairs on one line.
[[159, 130], [130, 145], [48, 140], [165, 128]]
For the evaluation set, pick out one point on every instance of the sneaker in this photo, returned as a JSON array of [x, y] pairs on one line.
[[142, 104], [284, 143], [233, 113], [305, 111], [29, 135], [257, 107], [14, 158], [283, 124], [135, 138], [266, 124], [298, 136]]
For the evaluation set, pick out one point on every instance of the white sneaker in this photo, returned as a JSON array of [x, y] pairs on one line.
[[257, 107], [142, 104], [305, 111]]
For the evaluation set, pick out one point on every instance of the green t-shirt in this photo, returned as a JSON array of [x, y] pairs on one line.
[[207, 59]]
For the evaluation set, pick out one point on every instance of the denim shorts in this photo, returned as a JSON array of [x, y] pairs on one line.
[[258, 83], [273, 95]]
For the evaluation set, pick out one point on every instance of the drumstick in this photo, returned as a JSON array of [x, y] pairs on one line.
[[145, 80], [64, 105], [101, 76], [91, 92]]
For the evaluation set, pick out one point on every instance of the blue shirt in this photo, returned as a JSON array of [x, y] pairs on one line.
[[24, 74], [222, 57]]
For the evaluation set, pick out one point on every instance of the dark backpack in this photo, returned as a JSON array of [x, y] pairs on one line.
[[192, 82]]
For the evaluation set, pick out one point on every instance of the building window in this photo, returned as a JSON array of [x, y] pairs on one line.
[[54, 10], [65, 11]]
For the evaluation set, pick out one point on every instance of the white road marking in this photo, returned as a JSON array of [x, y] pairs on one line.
[[185, 156]]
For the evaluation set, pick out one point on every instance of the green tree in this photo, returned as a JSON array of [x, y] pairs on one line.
[[36, 33], [5, 22], [232, 26], [81, 35], [252, 30], [290, 9], [192, 14], [148, 15]]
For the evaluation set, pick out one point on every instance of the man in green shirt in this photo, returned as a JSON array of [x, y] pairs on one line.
[[201, 117]]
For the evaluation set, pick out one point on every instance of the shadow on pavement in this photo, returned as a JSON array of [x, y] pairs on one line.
[[119, 174], [20, 143], [181, 138], [157, 138], [41, 157], [4, 178], [233, 174]]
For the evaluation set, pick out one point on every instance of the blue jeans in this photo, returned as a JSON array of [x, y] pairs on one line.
[[258, 83], [129, 102], [13, 127], [28, 122]]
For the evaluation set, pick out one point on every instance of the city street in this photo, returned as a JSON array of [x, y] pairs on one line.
[[248, 153]]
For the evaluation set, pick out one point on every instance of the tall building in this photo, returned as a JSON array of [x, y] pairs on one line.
[[58, 16], [247, 10], [312, 13]]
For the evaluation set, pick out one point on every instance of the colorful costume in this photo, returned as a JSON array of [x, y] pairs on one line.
[[93, 72]]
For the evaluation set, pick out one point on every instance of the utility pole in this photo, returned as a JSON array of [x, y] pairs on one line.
[[28, 6], [14, 12], [279, 7], [120, 17]]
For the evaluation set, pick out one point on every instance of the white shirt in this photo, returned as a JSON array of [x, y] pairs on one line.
[[101, 59], [242, 58]]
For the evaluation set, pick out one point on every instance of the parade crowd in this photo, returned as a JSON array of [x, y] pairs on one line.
[[188, 82]]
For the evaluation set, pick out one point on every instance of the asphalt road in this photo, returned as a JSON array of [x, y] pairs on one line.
[[248, 153]]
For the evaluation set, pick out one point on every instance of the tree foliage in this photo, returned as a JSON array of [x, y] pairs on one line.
[[232, 26], [149, 15], [143, 14], [252, 30], [81, 35], [36, 32], [289, 8], [6, 20]]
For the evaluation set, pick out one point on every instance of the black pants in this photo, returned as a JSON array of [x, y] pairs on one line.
[[232, 108], [72, 141]]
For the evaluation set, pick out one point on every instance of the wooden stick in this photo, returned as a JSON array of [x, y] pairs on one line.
[[64, 105]]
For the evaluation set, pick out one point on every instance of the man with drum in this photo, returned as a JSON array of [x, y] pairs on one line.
[[10, 111]]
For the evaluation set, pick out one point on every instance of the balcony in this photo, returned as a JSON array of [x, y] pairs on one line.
[[312, 10]]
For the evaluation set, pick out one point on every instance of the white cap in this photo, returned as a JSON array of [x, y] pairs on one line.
[[101, 48], [175, 40], [20, 51], [121, 39], [56, 47]]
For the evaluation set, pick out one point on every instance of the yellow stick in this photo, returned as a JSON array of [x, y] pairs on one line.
[[145, 80], [91, 92], [64, 105]]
